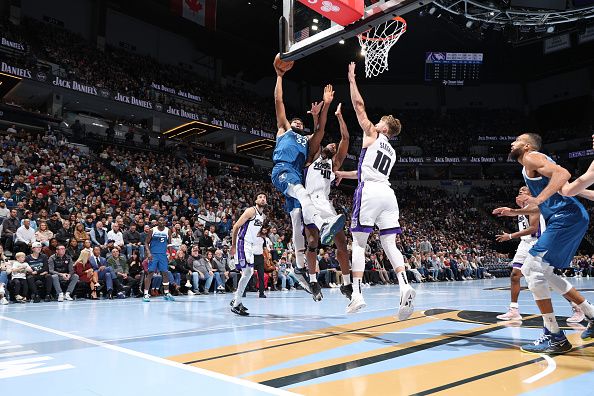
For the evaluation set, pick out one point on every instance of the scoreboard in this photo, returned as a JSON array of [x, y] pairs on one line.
[[453, 68]]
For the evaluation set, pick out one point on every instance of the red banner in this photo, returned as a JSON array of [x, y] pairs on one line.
[[343, 12]]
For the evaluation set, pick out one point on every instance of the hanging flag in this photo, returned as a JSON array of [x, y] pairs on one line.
[[202, 12]]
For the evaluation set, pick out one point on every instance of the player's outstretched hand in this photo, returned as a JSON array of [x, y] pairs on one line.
[[503, 237], [351, 72], [338, 112], [328, 94], [503, 211], [316, 108]]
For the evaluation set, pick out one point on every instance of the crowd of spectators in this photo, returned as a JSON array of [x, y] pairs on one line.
[[80, 221]]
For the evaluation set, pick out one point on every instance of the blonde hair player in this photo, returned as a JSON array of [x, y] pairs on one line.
[[375, 203]]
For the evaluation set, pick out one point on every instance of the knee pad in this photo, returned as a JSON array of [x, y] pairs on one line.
[[536, 277]]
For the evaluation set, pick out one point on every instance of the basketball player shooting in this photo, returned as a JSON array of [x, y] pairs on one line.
[[289, 158]]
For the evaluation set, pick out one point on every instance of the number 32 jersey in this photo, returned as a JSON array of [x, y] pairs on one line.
[[376, 161], [319, 177]]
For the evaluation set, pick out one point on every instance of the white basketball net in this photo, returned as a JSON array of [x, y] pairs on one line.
[[376, 44]]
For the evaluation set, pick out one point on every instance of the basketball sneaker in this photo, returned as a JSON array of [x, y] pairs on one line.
[[146, 298], [549, 343], [511, 314], [578, 315], [316, 291], [588, 334], [241, 306], [168, 297], [301, 275], [330, 228], [407, 299], [347, 290], [357, 303]]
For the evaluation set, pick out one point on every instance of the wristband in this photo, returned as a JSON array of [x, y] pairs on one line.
[[510, 237]]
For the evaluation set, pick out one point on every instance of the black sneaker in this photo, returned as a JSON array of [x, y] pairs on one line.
[[316, 291], [241, 312], [241, 306], [262, 295], [36, 299], [347, 290], [47, 298]]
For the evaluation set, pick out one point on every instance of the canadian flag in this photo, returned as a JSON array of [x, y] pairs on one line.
[[202, 12]]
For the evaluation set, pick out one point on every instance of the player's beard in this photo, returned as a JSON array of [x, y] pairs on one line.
[[515, 154], [298, 130]]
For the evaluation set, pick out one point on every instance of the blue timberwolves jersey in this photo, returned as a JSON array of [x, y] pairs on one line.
[[556, 202], [159, 241], [291, 148]]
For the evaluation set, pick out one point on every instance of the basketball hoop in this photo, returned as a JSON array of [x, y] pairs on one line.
[[377, 42]]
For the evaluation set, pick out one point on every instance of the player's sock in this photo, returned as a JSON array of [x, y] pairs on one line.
[[514, 305], [166, 287], [246, 275], [298, 238], [587, 309], [550, 322], [346, 279], [402, 280], [357, 285]]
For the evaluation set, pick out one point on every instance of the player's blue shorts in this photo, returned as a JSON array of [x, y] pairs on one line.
[[564, 233], [158, 263], [284, 174]]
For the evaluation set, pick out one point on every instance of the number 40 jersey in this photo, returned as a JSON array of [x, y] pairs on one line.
[[376, 161], [319, 177]]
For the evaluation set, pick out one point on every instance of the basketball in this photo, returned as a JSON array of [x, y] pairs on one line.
[[281, 65]]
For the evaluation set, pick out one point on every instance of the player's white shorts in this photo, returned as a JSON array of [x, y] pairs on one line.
[[245, 253], [375, 204], [324, 208], [522, 252]]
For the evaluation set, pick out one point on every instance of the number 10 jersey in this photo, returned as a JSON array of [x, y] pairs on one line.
[[375, 202]]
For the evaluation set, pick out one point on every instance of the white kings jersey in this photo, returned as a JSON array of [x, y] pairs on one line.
[[376, 161], [524, 223], [250, 229], [318, 177]]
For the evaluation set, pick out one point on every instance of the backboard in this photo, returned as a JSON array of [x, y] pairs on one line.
[[303, 31]]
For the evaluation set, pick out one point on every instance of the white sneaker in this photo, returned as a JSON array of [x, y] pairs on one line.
[[3, 301], [60, 297], [190, 293], [67, 297], [357, 302], [188, 284], [221, 288], [578, 315], [407, 303], [284, 289], [511, 314]]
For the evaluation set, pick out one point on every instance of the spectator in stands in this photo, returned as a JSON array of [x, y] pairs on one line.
[[40, 272], [25, 236], [5, 270], [119, 267], [116, 235], [133, 241], [11, 130], [62, 265], [82, 268], [43, 234], [105, 273], [64, 234], [80, 235], [20, 269], [9, 229], [176, 269], [54, 224]]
